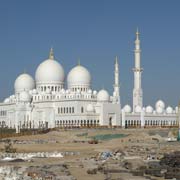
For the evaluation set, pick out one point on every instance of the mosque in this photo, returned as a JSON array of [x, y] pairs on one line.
[[48, 102]]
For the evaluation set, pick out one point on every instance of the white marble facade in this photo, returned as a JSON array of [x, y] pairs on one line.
[[52, 101]]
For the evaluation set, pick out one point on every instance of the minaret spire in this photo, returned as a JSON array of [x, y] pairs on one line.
[[137, 91], [51, 54], [137, 33], [79, 61], [116, 93]]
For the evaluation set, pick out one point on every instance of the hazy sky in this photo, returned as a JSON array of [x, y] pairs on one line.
[[94, 31]]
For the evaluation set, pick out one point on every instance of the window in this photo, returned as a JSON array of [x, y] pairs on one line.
[[82, 110]]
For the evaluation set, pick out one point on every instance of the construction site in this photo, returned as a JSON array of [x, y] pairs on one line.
[[85, 154]]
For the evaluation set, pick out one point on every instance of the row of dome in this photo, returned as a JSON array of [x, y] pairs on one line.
[[50, 72], [24, 96], [159, 106]]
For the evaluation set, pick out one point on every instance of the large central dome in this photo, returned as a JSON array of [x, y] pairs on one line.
[[49, 72], [79, 78]]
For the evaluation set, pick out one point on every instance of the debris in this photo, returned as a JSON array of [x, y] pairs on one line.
[[92, 171]]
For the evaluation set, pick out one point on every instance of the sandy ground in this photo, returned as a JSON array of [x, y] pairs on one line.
[[136, 141]]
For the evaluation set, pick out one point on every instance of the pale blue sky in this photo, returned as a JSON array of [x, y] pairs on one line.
[[96, 31]]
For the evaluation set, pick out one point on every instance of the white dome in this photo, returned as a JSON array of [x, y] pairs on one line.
[[50, 72], [94, 92], [149, 109], [7, 100], [34, 91], [160, 103], [159, 110], [12, 96], [63, 91], [169, 110], [138, 109], [103, 95], [90, 108], [24, 82], [79, 76], [127, 108], [25, 96], [90, 91]]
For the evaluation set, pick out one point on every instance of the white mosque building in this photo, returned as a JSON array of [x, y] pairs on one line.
[[47, 103]]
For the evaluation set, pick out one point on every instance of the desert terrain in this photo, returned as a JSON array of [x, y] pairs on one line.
[[98, 154]]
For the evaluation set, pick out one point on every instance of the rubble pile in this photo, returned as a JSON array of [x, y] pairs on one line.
[[35, 141], [28, 156], [168, 167], [56, 172], [116, 155], [171, 162]]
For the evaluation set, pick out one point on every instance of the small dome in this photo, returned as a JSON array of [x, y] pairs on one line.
[[127, 108], [159, 110], [138, 109], [24, 82], [50, 72], [169, 110], [149, 109], [94, 92], [103, 95], [34, 91], [90, 91], [90, 108], [12, 96], [63, 91], [7, 100], [25, 96], [79, 76], [160, 103]]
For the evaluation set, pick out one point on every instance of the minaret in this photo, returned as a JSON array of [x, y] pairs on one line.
[[137, 91], [116, 93]]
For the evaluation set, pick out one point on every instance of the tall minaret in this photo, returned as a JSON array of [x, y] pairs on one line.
[[137, 91], [116, 93]]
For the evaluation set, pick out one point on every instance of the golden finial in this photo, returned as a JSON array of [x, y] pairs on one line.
[[24, 71], [79, 62], [51, 54]]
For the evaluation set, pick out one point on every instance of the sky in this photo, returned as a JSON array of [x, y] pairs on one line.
[[94, 31]]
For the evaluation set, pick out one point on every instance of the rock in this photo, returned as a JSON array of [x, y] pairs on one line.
[[92, 171]]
